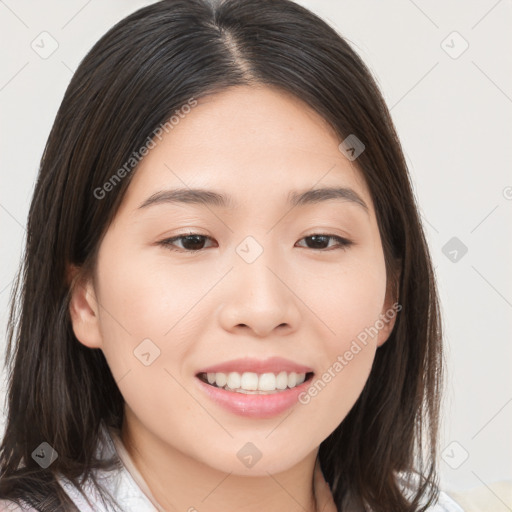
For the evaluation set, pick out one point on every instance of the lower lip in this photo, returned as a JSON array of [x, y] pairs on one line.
[[255, 406]]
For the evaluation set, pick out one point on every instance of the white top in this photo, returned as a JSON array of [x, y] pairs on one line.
[[131, 492]]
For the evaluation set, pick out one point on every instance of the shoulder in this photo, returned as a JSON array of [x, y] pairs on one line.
[[409, 482], [445, 504]]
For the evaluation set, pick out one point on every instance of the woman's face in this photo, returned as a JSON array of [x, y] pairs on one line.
[[253, 284]]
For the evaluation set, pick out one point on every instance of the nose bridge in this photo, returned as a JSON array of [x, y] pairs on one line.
[[255, 268], [258, 297]]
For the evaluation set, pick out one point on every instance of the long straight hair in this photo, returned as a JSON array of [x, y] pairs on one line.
[[134, 78]]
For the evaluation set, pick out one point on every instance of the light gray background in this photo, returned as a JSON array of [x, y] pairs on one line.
[[453, 117]]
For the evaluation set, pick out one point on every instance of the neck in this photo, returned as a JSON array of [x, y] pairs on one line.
[[178, 481]]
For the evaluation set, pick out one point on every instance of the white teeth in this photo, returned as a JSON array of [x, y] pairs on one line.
[[267, 382], [250, 381], [220, 379], [234, 380], [282, 380]]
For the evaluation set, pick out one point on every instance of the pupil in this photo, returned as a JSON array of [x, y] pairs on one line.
[[195, 239], [318, 238]]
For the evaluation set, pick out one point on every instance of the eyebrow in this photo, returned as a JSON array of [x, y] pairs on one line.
[[211, 198]]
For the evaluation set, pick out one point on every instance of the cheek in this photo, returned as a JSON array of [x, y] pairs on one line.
[[146, 297], [333, 393], [146, 337], [344, 298], [347, 359], [349, 303], [142, 303]]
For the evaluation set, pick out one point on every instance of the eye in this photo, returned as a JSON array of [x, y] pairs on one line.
[[194, 242], [191, 242], [320, 240]]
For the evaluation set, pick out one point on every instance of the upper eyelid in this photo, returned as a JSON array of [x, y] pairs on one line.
[[342, 241], [184, 235]]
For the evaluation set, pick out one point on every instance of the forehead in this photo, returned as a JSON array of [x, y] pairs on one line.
[[253, 144]]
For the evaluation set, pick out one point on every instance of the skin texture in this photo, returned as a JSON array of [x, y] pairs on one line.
[[305, 304]]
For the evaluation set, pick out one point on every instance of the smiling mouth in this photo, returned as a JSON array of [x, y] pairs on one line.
[[278, 384]]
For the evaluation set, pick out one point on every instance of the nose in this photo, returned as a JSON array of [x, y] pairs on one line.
[[260, 298]]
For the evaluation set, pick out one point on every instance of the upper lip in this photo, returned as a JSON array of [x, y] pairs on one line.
[[246, 364]]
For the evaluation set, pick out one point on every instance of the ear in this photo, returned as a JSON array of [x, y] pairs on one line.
[[389, 311], [84, 309]]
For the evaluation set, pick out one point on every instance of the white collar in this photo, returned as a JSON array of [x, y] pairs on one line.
[[124, 483]]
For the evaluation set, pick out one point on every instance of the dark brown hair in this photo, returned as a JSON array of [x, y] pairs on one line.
[[133, 79]]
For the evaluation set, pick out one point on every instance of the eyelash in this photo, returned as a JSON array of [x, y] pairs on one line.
[[167, 243]]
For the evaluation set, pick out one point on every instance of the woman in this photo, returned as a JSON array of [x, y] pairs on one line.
[[225, 277]]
